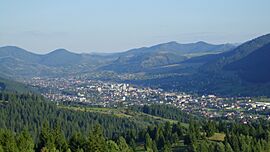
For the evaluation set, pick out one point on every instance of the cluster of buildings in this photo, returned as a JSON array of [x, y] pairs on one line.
[[111, 94]]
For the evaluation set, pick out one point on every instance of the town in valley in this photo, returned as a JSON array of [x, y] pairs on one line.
[[87, 92]]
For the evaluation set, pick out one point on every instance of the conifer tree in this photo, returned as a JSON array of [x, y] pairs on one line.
[[148, 143], [123, 146], [112, 146], [25, 142]]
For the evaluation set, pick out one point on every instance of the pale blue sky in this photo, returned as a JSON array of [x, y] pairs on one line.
[[117, 25]]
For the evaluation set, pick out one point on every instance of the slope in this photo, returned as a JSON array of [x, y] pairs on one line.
[[145, 58], [255, 67]]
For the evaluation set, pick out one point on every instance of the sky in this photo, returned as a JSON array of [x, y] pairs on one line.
[[118, 25]]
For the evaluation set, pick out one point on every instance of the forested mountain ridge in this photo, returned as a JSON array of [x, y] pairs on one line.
[[243, 71], [238, 53], [254, 67], [15, 61], [159, 66], [19, 63], [140, 59]]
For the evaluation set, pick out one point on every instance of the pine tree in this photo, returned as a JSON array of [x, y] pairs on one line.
[[161, 141], [123, 146], [60, 141], [228, 147], [154, 147], [46, 138], [148, 143], [96, 140], [8, 142], [112, 146], [234, 143], [76, 142], [167, 148], [25, 142], [203, 147], [168, 131], [133, 144], [219, 147]]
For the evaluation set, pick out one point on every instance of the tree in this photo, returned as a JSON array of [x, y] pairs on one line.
[[60, 141], [219, 147], [154, 147], [228, 147], [161, 141], [235, 143], [210, 128], [203, 147], [133, 144], [96, 140], [123, 146], [76, 142], [112, 146], [148, 143], [168, 131], [8, 141], [25, 142], [46, 138], [167, 148]]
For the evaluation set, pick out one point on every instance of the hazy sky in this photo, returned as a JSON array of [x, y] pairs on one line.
[[117, 25]]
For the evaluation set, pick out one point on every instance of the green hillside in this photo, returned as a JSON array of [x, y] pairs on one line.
[[13, 86]]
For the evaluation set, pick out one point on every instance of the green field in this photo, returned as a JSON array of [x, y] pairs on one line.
[[217, 137], [122, 113]]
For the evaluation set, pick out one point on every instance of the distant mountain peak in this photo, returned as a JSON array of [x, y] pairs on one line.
[[168, 44], [12, 49], [171, 42], [18, 53], [202, 42], [10, 46], [61, 52]]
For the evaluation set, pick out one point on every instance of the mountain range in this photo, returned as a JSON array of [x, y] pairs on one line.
[[145, 58], [15, 61], [243, 71], [199, 67]]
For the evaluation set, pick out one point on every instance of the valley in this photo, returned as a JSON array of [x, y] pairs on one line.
[[96, 93], [135, 76], [168, 97]]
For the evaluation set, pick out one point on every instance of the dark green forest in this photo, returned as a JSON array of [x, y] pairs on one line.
[[31, 123]]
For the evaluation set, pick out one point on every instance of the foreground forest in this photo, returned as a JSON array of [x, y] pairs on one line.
[[30, 123]]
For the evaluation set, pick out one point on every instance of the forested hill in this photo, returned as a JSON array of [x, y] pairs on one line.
[[243, 71], [30, 123], [254, 67], [143, 59], [13, 86]]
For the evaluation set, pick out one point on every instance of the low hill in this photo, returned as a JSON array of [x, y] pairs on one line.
[[13, 86]]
